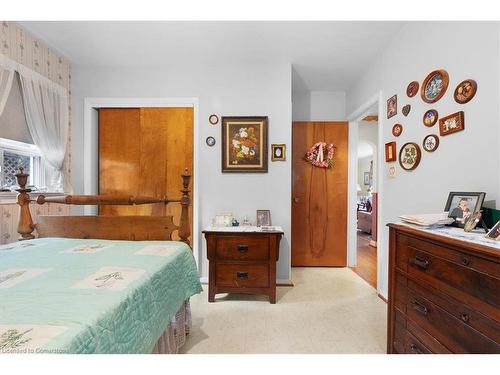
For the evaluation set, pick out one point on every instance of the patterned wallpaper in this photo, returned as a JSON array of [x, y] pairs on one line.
[[19, 45]]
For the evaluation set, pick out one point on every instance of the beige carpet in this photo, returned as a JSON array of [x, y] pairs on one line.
[[329, 310]]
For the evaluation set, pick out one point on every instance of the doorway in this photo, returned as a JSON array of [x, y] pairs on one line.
[[319, 196], [366, 202]]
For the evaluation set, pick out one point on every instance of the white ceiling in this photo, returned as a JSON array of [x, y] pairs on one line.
[[325, 55]]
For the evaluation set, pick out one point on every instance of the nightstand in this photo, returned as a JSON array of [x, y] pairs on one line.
[[242, 260]]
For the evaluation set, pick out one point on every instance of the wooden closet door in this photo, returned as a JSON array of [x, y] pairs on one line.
[[319, 197], [143, 151]]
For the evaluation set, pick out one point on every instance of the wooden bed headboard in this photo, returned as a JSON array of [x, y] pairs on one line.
[[131, 228]]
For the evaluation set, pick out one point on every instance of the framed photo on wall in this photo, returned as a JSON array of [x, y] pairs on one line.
[[392, 106], [244, 144], [278, 152], [366, 178], [390, 151]]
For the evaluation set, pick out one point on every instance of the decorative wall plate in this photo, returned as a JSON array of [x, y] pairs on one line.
[[452, 123], [412, 89], [392, 106], [430, 143], [430, 117], [397, 129], [409, 156], [210, 141], [434, 86], [465, 91], [406, 109], [213, 119]]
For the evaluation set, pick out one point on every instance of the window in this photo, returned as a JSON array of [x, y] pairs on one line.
[[14, 154]]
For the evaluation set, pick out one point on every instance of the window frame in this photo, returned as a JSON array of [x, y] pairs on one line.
[[37, 177]]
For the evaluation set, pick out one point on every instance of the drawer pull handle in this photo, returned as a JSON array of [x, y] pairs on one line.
[[465, 261], [243, 248], [419, 262], [420, 308], [415, 349], [465, 318], [242, 275]]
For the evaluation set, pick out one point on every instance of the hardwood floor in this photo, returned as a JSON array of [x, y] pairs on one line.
[[367, 260]]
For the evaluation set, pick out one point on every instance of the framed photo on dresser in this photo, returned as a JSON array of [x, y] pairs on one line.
[[461, 205]]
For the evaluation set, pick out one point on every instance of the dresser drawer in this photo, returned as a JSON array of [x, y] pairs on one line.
[[479, 322], [448, 330], [242, 275], [445, 272], [451, 254], [242, 248]]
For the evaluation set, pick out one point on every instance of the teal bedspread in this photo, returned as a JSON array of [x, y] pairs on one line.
[[91, 296]]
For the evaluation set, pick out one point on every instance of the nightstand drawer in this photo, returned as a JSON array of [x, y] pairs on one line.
[[244, 275], [242, 248]]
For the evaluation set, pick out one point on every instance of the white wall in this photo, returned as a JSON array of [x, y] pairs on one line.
[[465, 161], [318, 105], [224, 90]]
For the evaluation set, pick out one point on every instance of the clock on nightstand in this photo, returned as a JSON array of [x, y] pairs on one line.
[[242, 260]]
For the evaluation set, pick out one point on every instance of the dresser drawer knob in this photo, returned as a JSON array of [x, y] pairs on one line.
[[243, 248], [419, 307], [465, 318], [465, 261], [242, 275], [419, 262], [415, 349]]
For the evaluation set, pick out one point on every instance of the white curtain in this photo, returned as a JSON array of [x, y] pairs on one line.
[[46, 110], [6, 77]]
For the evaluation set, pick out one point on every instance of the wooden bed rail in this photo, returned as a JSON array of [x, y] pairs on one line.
[[26, 226]]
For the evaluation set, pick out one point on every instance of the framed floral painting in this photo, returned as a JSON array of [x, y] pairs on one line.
[[244, 144]]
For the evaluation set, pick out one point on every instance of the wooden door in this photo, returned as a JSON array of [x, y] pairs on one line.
[[319, 197], [143, 151]]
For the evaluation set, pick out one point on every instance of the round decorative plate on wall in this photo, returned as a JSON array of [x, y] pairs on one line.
[[430, 143], [397, 129], [213, 119], [434, 86], [465, 91], [210, 141], [430, 117], [409, 156], [412, 89]]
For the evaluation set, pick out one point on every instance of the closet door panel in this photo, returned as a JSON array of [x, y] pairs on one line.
[[143, 151], [119, 156]]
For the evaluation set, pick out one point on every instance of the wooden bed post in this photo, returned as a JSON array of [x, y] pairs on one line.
[[25, 227], [184, 226]]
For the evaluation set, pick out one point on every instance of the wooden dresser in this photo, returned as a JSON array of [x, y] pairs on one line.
[[444, 292], [242, 262]]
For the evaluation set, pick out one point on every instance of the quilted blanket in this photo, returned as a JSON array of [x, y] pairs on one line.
[[91, 296]]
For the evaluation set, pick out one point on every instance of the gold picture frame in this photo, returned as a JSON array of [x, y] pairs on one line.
[[278, 152]]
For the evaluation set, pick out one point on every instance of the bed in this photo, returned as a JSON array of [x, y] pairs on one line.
[[96, 284]]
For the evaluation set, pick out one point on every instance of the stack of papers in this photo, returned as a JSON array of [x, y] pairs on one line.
[[427, 220]]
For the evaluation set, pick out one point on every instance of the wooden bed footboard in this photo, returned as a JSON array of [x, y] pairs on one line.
[[132, 228]]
